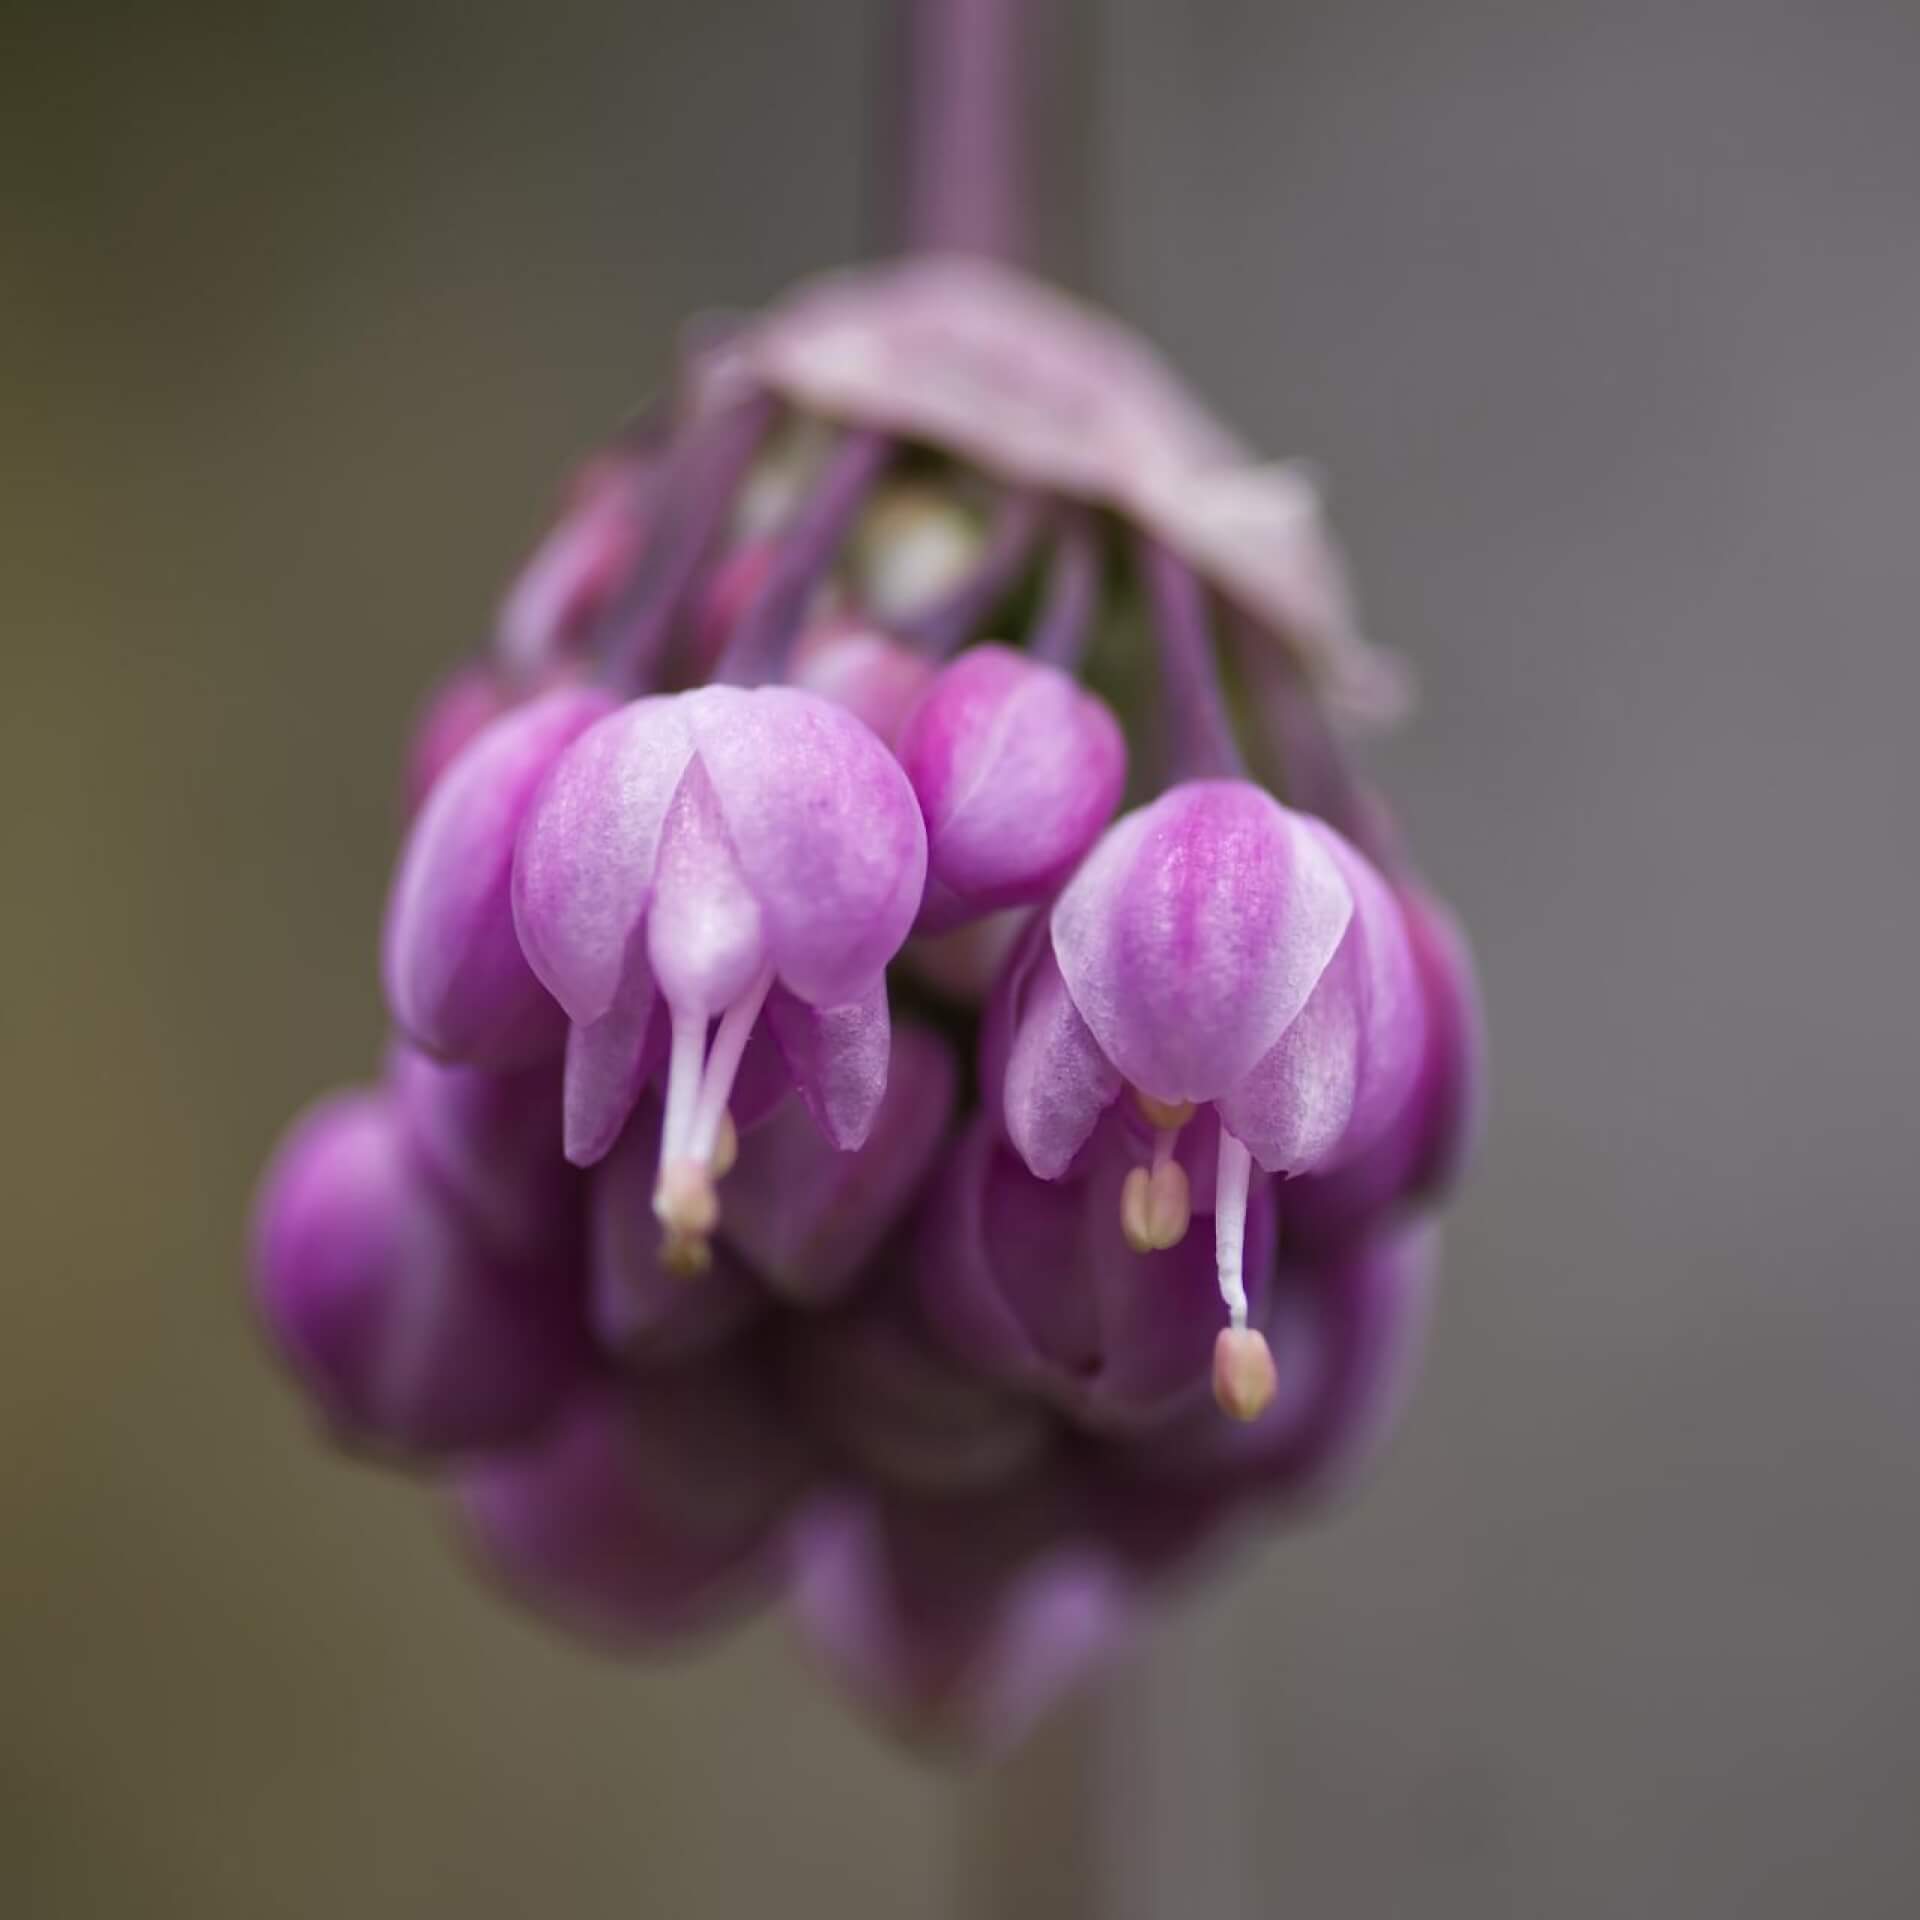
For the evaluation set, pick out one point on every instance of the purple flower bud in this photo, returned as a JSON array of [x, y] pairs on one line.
[[488, 1139], [581, 565], [1214, 950], [1423, 1151], [649, 1511], [1016, 770], [468, 700], [728, 853], [896, 1408], [456, 980], [1035, 1283], [807, 1217], [863, 670], [406, 1330], [959, 1623]]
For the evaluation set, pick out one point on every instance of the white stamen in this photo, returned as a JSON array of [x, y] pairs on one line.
[[684, 1062], [1230, 1224], [723, 1063]]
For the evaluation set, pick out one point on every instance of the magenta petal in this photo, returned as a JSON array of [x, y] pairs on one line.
[[405, 1329], [837, 1057], [608, 1064], [583, 869], [1055, 1082], [1343, 1070], [649, 1512], [951, 1635], [455, 977], [806, 1216], [704, 930], [1016, 770], [825, 828], [1195, 933]]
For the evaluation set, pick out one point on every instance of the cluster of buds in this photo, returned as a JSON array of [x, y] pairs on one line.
[[885, 1112]]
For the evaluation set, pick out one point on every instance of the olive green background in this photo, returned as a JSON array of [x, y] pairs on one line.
[[1604, 323]]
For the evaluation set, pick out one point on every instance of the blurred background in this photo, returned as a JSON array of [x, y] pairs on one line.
[[1603, 322]]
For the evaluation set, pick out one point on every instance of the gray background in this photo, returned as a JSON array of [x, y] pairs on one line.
[[1604, 323]]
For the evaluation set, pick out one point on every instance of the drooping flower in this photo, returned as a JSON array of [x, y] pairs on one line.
[[703, 861], [1216, 951]]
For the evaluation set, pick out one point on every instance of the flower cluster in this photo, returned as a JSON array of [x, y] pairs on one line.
[[884, 1111]]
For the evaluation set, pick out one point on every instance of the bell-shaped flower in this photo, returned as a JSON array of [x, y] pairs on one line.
[[697, 863], [1038, 1285], [408, 1329], [457, 983], [1215, 950], [650, 1511], [1016, 769]]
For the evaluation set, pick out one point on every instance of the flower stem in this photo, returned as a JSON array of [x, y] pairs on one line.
[[964, 160]]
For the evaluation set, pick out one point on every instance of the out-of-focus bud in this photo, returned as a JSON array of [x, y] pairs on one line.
[[806, 1217], [457, 982], [650, 1511], [958, 1623], [580, 567], [490, 1139], [408, 1333], [1016, 770], [466, 701], [1034, 1283], [859, 668]]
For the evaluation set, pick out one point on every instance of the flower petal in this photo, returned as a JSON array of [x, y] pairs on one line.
[[1195, 932], [583, 869]]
